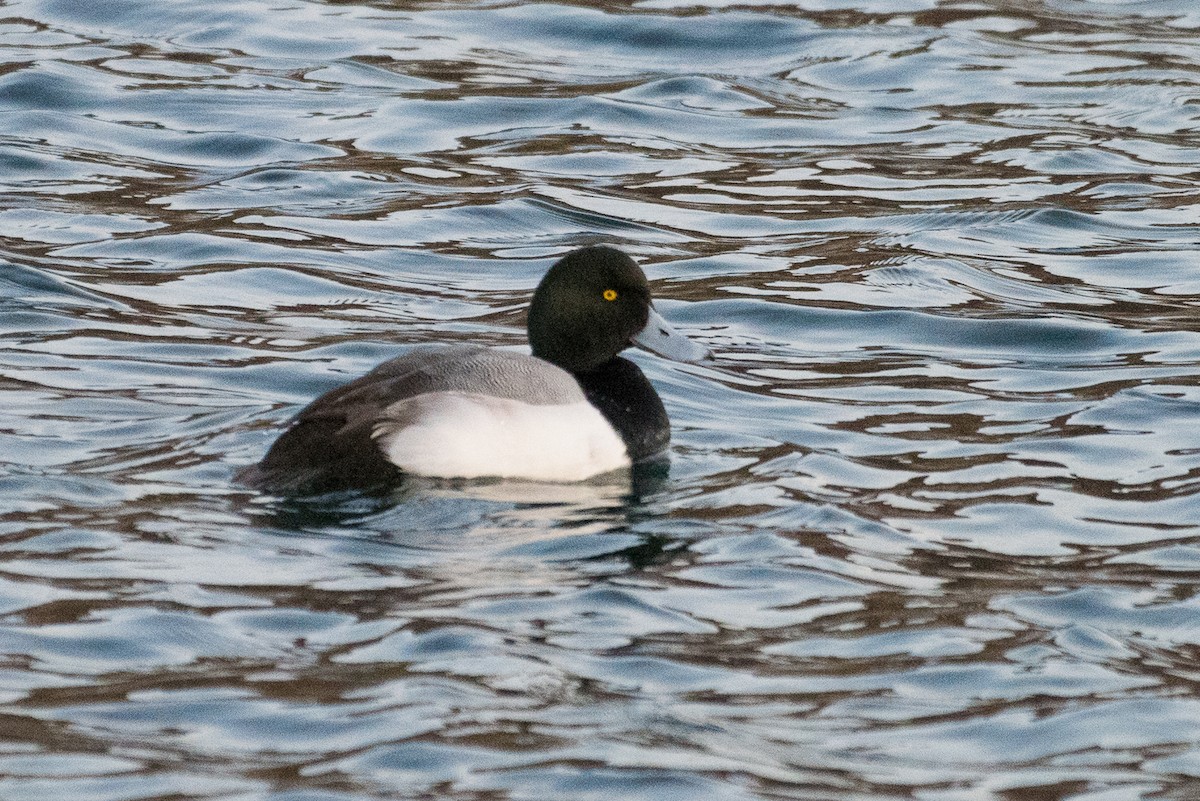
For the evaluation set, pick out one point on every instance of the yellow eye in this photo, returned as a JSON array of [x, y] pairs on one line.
[[610, 294]]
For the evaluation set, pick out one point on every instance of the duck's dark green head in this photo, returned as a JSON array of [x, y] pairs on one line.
[[591, 305]]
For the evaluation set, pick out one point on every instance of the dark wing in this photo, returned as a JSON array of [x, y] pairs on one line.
[[331, 444]]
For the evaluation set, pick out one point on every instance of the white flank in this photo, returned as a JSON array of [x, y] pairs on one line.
[[463, 435]]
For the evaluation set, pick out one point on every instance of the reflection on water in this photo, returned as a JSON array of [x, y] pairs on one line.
[[929, 531]]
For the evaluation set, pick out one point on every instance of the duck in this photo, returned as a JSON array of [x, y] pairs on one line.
[[570, 410]]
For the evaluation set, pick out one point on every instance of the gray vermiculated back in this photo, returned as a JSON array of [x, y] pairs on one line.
[[331, 443], [482, 371]]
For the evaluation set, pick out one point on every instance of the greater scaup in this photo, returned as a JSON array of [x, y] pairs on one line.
[[572, 410]]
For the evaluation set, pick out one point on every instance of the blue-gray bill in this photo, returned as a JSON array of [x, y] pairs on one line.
[[659, 337]]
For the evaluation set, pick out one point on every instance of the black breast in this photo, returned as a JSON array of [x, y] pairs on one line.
[[628, 401]]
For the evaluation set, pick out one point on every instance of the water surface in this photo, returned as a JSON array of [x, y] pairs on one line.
[[930, 528]]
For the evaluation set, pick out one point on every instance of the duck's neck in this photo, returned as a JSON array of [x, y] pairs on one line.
[[627, 400]]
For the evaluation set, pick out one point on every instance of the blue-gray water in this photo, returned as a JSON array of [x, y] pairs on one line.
[[930, 531]]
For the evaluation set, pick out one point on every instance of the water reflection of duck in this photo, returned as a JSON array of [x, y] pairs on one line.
[[572, 410]]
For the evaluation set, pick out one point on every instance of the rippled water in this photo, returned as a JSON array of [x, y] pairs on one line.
[[931, 526]]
